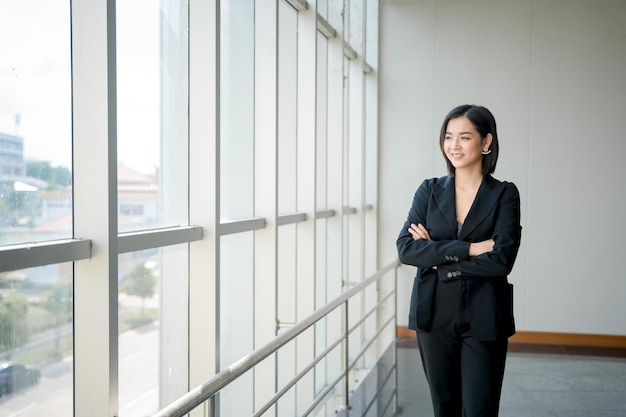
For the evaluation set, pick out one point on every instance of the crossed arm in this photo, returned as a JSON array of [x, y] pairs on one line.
[[475, 249], [491, 257]]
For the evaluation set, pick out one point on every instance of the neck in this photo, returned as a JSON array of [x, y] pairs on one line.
[[468, 179]]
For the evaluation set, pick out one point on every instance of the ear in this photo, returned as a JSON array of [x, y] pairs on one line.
[[487, 141]]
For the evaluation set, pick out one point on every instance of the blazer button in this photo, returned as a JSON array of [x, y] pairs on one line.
[[449, 274], [458, 273], [456, 259]]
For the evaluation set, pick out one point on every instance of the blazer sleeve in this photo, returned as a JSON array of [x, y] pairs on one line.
[[427, 253], [507, 238]]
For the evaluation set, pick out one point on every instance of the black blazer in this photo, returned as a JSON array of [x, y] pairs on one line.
[[494, 214]]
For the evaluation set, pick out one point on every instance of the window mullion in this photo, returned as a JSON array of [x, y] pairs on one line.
[[95, 207]]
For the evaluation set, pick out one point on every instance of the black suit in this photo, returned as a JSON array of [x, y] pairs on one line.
[[466, 303]]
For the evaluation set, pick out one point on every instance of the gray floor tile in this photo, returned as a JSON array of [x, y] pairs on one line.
[[535, 385]]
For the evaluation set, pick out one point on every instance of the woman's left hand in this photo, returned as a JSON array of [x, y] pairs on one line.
[[419, 232]]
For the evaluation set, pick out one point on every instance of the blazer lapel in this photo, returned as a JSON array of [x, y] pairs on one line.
[[444, 196], [484, 202]]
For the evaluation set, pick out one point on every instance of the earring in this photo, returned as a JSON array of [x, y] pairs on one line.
[[486, 151]]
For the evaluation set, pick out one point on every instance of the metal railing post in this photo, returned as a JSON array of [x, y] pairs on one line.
[[346, 357]]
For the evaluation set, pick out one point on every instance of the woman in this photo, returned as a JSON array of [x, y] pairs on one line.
[[463, 233]]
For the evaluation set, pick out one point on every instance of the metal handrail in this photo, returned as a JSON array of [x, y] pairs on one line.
[[205, 391]]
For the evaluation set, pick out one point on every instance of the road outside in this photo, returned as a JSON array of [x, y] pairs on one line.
[[138, 385]]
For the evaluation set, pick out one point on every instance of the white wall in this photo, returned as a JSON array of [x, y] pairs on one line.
[[554, 75]]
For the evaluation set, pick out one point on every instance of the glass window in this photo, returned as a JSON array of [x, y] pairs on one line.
[[236, 325], [237, 109], [286, 311], [320, 300], [35, 121], [287, 105], [287, 270], [36, 349], [285, 373], [152, 315], [322, 8], [152, 100], [322, 123], [345, 166]]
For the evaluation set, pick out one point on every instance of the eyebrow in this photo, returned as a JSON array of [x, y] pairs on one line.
[[461, 133]]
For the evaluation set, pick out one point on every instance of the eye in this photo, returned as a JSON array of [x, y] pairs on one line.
[[465, 138]]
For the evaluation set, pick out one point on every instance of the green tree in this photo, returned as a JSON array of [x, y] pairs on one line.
[[55, 176], [62, 176], [140, 282], [5, 216], [39, 169], [58, 302], [14, 328], [4, 207]]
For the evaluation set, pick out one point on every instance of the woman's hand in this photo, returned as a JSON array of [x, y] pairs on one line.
[[419, 232], [478, 248]]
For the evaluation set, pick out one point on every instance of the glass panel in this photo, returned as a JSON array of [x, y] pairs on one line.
[[36, 342], [286, 313], [321, 262], [320, 346], [287, 104], [322, 8], [153, 305], [286, 271], [285, 372], [35, 121], [152, 76], [320, 301], [322, 123], [237, 109], [354, 21], [346, 157], [236, 315], [335, 12], [370, 107], [347, 7]]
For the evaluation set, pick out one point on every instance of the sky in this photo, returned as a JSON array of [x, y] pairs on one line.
[[35, 83], [34, 78]]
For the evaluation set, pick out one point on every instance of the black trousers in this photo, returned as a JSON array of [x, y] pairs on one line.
[[464, 374]]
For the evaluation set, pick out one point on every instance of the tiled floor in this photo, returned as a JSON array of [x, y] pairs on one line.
[[539, 381]]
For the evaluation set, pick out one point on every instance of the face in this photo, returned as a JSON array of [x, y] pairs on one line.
[[463, 145]]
